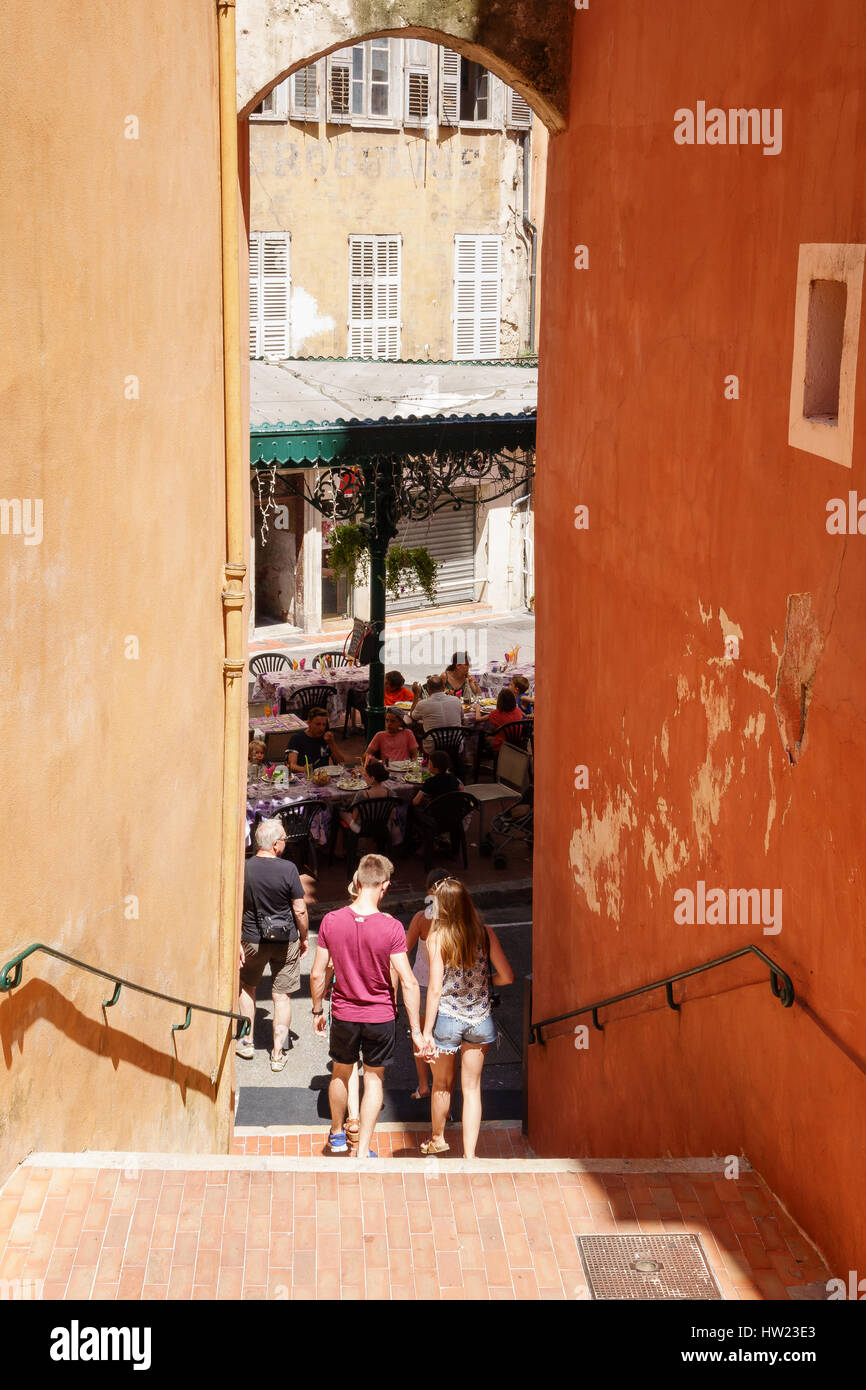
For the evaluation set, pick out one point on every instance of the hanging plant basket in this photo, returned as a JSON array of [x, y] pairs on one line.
[[402, 566], [349, 552]]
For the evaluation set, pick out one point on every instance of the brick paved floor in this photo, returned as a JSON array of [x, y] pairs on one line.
[[278, 1227]]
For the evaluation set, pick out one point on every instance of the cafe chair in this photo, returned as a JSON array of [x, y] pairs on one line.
[[518, 732], [326, 659], [309, 697], [298, 822], [450, 741], [445, 815], [269, 661], [276, 746], [512, 779], [374, 818], [355, 700]]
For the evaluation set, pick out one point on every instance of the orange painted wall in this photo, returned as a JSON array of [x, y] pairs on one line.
[[697, 505], [110, 268]]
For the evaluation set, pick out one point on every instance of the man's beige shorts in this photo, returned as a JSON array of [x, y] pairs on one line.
[[285, 959]]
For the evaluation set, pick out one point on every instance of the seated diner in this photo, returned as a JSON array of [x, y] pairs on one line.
[[316, 747], [456, 678], [396, 689], [395, 742], [506, 712]]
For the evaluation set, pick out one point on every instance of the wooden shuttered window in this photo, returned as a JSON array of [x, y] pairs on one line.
[[374, 296], [518, 112], [449, 87], [477, 297], [270, 294], [339, 89], [418, 86], [305, 94]]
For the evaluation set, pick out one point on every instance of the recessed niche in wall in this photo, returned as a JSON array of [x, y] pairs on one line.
[[826, 333]]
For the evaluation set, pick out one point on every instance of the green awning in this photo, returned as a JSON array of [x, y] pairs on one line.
[[299, 445]]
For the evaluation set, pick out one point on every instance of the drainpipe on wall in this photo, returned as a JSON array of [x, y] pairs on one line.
[[233, 595], [532, 232]]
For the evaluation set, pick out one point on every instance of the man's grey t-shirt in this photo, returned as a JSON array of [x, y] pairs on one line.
[[276, 883], [439, 712]]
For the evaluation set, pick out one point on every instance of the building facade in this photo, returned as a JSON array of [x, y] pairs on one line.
[[391, 209]]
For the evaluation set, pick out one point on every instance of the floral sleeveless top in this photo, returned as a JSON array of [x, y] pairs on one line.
[[466, 993]]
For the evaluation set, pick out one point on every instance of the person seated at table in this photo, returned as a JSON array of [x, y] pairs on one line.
[[257, 750], [442, 782], [456, 678], [317, 746], [395, 689], [395, 742], [375, 774], [440, 710], [519, 686], [506, 712]]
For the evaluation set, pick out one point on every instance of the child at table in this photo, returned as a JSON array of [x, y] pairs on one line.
[[395, 689], [257, 750], [506, 712], [395, 742], [375, 774], [519, 687]]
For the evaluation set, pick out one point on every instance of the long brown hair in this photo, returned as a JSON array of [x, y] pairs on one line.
[[458, 929]]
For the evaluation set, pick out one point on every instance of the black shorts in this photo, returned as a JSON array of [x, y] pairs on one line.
[[374, 1043]]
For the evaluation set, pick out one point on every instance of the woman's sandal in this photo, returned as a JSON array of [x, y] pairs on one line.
[[430, 1149], [419, 1095], [353, 1133]]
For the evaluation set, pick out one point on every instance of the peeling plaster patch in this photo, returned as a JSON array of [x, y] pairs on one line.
[[771, 809], [755, 725], [795, 678], [665, 743], [706, 617], [755, 678], [595, 857], [684, 690], [710, 783], [728, 626], [669, 856], [306, 319]]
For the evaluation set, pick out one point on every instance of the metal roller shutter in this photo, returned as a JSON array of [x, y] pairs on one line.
[[450, 538]]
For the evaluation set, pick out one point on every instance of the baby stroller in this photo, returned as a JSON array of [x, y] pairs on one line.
[[515, 823]]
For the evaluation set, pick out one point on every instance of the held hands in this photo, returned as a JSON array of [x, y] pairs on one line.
[[426, 1048]]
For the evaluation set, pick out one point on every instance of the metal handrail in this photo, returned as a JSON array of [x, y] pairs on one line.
[[781, 986], [16, 967]]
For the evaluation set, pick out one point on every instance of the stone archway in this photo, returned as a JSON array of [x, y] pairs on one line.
[[525, 42]]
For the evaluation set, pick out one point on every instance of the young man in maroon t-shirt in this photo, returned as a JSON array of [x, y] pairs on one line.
[[362, 944]]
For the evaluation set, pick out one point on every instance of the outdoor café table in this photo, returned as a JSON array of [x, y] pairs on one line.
[[492, 682], [263, 724], [272, 684], [267, 797]]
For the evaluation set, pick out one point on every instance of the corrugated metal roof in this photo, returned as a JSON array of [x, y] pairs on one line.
[[306, 394]]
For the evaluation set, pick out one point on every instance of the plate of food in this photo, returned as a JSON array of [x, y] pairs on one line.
[[414, 775], [334, 770], [399, 764], [351, 784], [402, 704]]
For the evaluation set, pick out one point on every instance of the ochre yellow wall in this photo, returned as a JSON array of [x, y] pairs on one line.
[[389, 182], [110, 268]]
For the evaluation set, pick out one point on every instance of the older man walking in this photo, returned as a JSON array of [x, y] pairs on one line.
[[274, 928], [363, 944]]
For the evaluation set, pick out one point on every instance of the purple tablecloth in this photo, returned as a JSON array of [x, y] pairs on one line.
[[492, 682], [268, 798]]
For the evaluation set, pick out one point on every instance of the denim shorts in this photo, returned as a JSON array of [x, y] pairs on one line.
[[449, 1033]]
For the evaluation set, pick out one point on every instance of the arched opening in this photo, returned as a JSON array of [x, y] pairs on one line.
[[452, 101]]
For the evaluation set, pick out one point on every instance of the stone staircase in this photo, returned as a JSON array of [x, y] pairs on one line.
[[277, 1219]]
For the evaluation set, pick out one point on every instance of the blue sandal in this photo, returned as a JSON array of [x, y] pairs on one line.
[[337, 1142]]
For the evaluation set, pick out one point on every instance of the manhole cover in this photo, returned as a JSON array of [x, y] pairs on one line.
[[665, 1267]]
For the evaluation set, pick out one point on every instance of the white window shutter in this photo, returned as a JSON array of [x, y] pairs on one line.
[[374, 296], [449, 87], [489, 296], [255, 294], [417, 97], [339, 90], [477, 297], [519, 112], [305, 93], [275, 294]]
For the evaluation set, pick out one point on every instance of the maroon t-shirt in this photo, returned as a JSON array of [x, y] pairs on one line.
[[361, 949]]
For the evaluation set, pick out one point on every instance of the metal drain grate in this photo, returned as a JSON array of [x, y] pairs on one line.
[[659, 1267]]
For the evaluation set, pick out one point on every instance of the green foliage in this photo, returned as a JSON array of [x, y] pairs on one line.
[[350, 556], [401, 564], [350, 552]]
